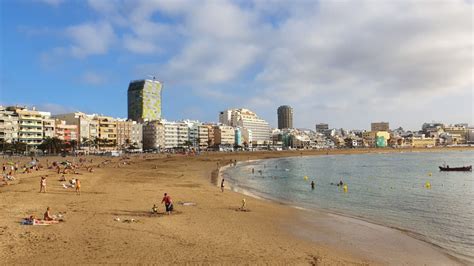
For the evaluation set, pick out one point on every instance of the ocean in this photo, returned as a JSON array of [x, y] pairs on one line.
[[401, 190]]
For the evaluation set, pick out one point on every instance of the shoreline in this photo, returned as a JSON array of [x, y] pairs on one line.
[[459, 258]]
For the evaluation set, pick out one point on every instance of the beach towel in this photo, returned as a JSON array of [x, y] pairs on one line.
[[37, 222]]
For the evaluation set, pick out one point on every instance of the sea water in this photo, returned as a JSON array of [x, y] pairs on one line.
[[401, 190]]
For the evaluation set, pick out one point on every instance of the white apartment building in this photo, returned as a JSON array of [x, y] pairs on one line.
[[244, 118], [203, 136], [176, 134], [224, 135], [153, 135], [30, 125], [8, 125], [164, 134], [193, 131], [49, 127]]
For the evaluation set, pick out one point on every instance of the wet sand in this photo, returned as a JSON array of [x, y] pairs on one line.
[[212, 231]]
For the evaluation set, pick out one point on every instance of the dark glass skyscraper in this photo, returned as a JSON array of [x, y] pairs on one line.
[[285, 117]]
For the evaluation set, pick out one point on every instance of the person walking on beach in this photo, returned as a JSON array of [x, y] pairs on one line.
[[78, 187], [312, 184], [222, 185], [168, 203], [43, 184]]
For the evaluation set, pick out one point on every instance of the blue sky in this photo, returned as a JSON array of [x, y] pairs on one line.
[[346, 63]]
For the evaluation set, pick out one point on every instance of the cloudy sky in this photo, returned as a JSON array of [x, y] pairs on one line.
[[346, 63]]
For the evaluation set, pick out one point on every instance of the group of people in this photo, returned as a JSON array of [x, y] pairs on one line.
[[75, 182]]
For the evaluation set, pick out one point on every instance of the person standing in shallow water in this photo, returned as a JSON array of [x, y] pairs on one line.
[[222, 185], [312, 184]]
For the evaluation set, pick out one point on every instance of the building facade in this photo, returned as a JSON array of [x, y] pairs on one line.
[[30, 126], [107, 132], [203, 137], [129, 134], [153, 135], [379, 126], [49, 127], [246, 119], [224, 135], [8, 126], [144, 100], [322, 128], [66, 132], [88, 126], [285, 117]]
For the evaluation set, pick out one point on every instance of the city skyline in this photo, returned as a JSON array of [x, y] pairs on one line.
[[406, 71]]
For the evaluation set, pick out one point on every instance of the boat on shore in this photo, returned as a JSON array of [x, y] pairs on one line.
[[458, 169]]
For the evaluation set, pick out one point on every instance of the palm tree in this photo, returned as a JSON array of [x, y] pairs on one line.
[[73, 144]]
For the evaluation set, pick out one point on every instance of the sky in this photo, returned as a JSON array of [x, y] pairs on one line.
[[346, 63]]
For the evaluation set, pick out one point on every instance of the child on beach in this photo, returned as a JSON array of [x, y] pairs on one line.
[[78, 187], [154, 209], [43, 184]]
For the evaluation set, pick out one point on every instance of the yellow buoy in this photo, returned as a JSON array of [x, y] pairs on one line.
[[305, 177], [345, 188], [427, 185], [430, 174]]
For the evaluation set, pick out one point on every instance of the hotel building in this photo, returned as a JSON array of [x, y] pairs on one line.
[[247, 119], [144, 100], [285, 117]]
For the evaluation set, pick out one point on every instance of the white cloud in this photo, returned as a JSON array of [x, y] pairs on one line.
[[344, 62], [93, 78], [90, 38]]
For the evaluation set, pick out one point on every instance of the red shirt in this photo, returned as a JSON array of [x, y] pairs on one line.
[[166, 199]]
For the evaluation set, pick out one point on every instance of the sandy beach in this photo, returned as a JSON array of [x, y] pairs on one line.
[[211, 230]]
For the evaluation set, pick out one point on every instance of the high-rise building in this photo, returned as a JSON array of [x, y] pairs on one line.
[[247, 119], [144, 100], [379, 126], [285, 117], [322, 128]]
